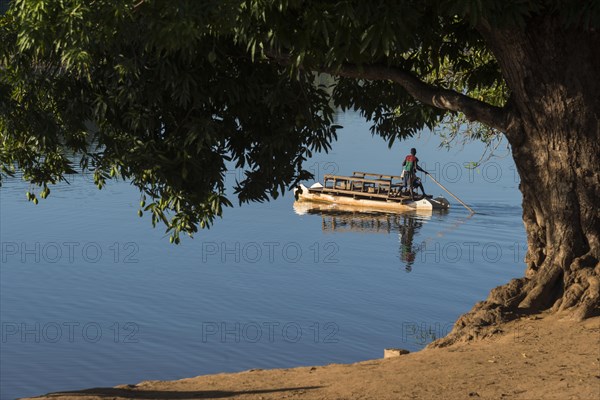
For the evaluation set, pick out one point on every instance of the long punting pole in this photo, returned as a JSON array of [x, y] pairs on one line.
[[450, 193]]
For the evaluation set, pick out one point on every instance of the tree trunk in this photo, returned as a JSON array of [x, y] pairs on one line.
[[554, 132]]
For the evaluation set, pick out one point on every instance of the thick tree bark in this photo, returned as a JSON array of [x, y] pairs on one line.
[[554, 132]]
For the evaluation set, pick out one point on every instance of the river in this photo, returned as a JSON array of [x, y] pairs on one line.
[[92, 296]]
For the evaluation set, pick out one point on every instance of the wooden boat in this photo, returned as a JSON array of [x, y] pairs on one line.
[[309, 207], [368, 191]]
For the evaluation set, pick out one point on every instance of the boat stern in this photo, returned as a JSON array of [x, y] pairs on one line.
[[439, 203]]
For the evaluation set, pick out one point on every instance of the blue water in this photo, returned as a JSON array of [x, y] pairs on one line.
[[91, 295]]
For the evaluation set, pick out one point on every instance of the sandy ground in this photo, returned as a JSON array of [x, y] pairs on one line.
[[532, 358]]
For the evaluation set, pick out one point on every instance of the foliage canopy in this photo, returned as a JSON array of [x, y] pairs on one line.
[[169, 94]]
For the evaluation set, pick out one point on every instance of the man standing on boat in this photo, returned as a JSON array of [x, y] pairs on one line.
[[409, 170]]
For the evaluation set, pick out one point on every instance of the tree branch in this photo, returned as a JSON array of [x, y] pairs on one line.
[[445, 99]]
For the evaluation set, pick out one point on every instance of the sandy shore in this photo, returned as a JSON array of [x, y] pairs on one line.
[[540, 357]]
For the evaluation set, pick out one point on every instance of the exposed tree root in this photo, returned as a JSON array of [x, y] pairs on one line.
[[527, 296]]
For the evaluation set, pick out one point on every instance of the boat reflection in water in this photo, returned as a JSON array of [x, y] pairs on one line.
[[338, 218]]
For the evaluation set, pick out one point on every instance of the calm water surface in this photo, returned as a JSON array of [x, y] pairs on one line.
[[91, 295]]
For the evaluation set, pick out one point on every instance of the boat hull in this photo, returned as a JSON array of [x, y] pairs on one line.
[[303, 193]]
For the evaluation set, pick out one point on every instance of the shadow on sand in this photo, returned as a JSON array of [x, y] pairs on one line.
[[134, 393]]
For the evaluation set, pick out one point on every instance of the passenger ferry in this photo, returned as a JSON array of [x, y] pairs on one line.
[[368, 191]]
